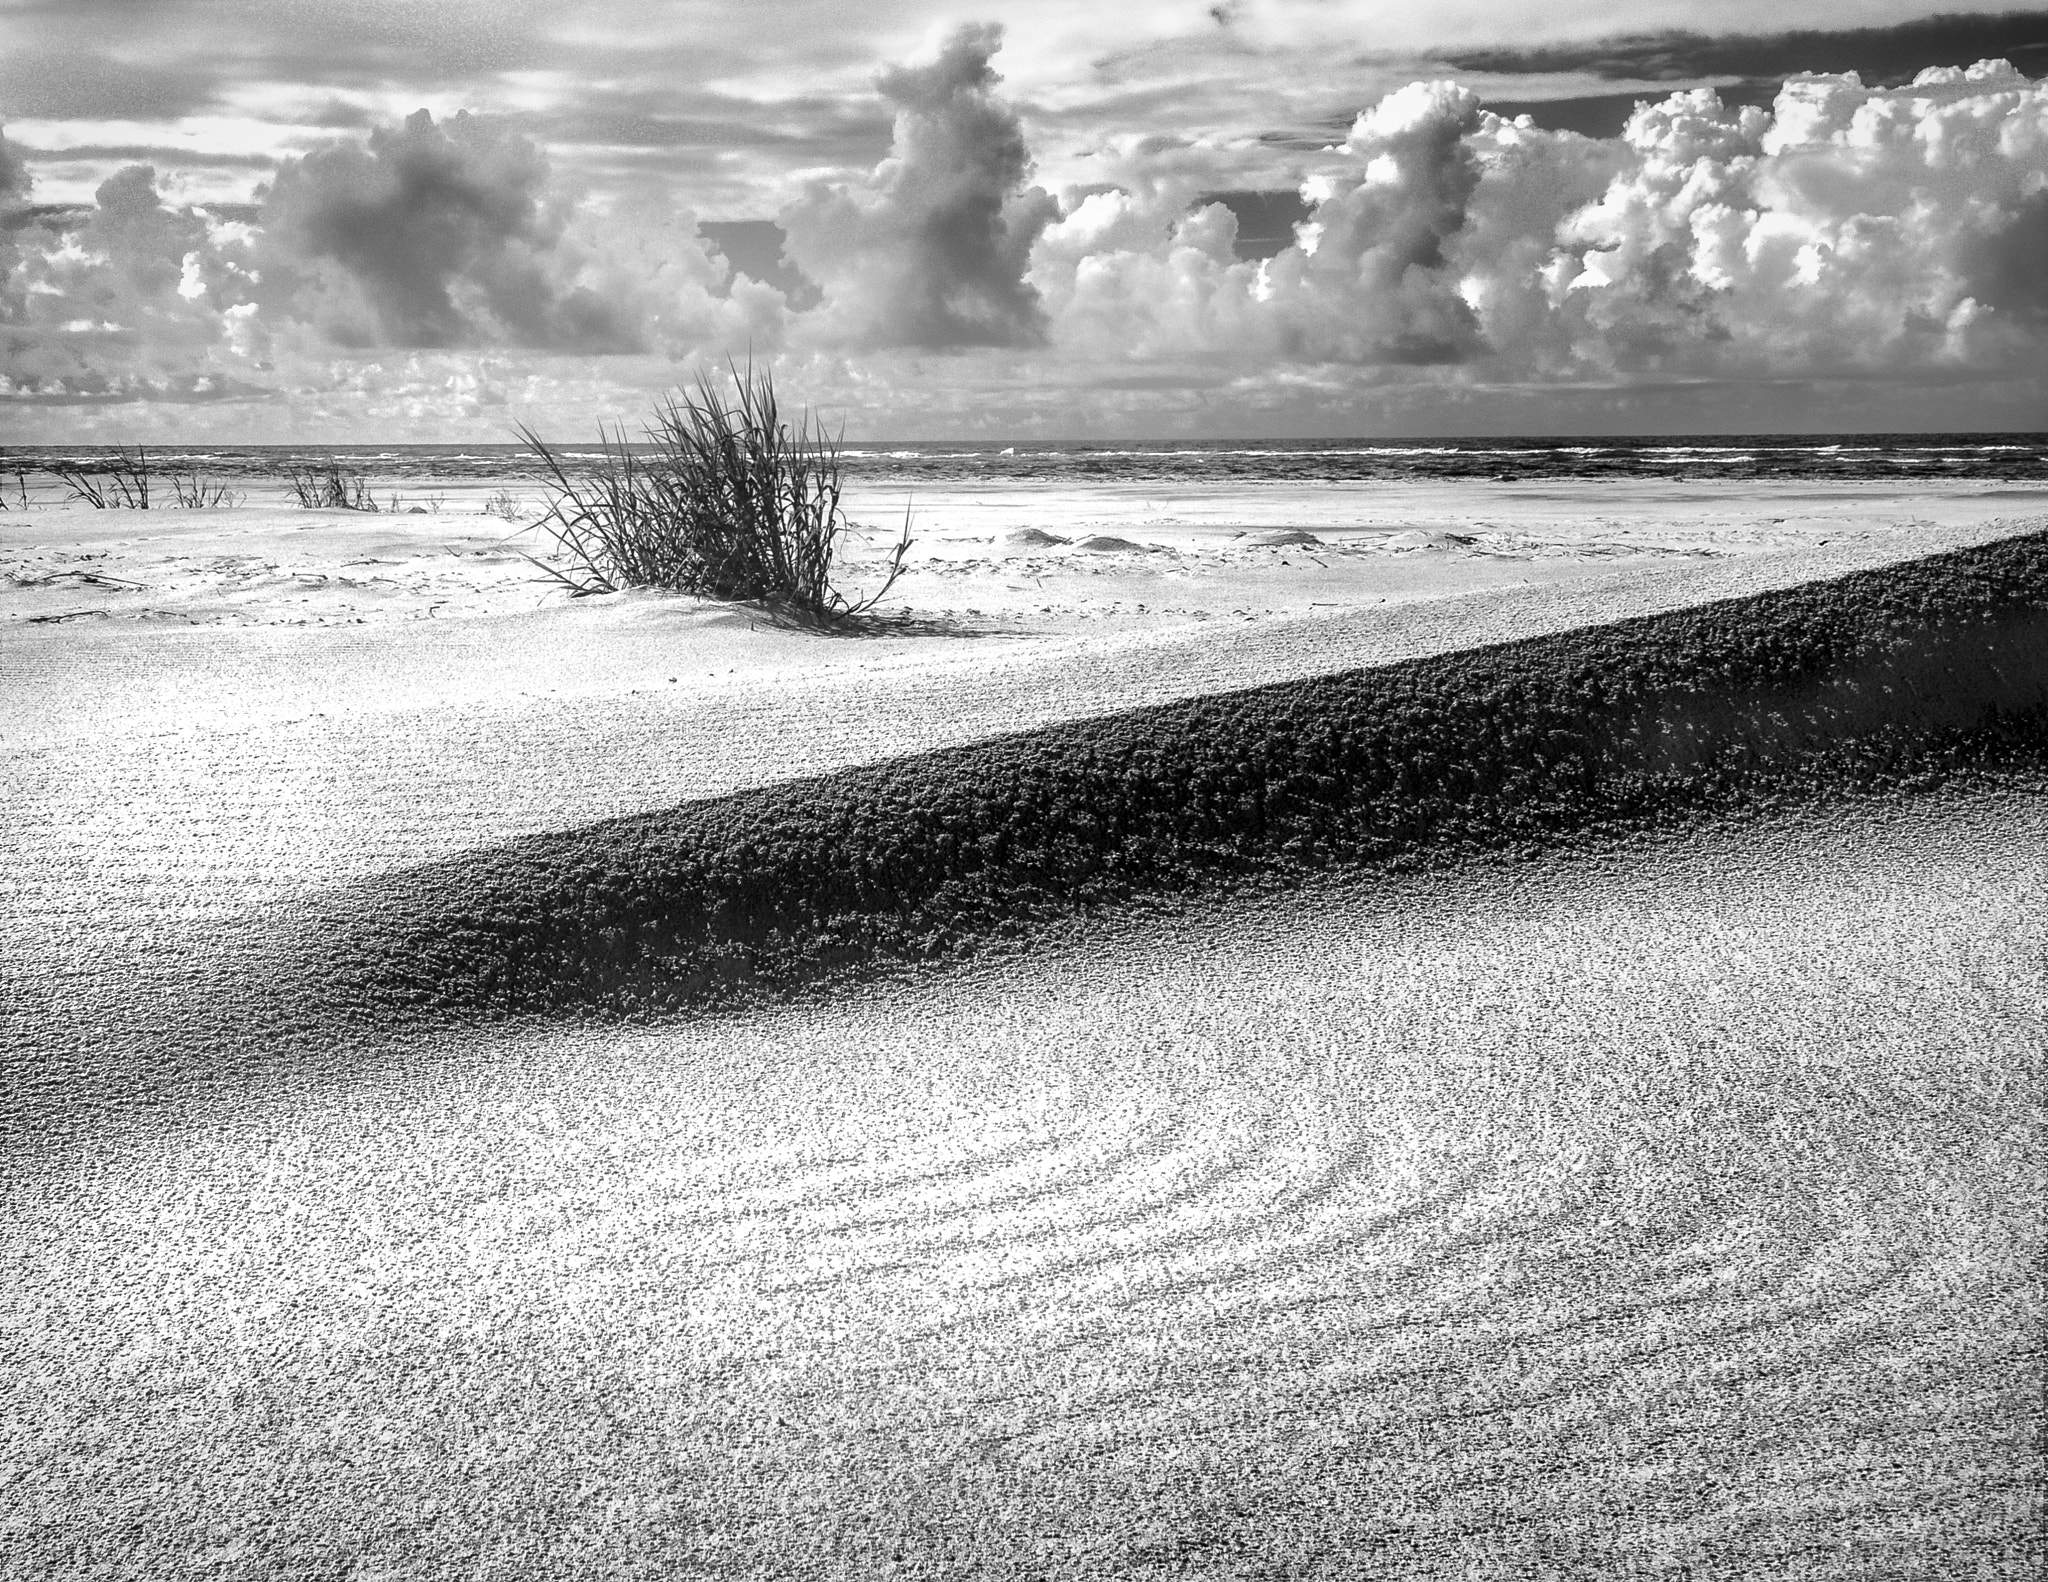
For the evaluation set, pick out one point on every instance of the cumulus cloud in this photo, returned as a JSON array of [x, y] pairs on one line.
[[1368, 279], [1368, 282], [106, 303], [1872, 236], [932, 250], [419, 238], [434, 236], [1847, 231]]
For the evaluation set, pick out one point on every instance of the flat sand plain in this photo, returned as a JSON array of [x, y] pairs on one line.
[[1659, 1207]]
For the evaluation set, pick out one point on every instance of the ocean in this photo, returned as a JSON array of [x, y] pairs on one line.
[[1845, 458]]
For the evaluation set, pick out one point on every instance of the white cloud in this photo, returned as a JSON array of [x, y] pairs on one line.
[[931, 250], [1891, 237], [1848, 231]]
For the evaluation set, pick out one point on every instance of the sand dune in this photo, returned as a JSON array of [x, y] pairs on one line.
[[1634, 1198], [1668, 1210]]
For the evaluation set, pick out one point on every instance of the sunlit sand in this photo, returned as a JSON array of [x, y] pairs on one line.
[[1658, 1200]]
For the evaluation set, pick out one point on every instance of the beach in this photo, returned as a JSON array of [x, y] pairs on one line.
[[1623, 1189]]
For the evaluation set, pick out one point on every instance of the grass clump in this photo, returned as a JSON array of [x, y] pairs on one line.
[[196, 492], [122, 484], [330, 486], [128, 483], [726, 500]]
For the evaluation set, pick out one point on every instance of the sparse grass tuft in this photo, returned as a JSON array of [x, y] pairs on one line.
[[732, 503], [506, 505], [331, 487], [126, 483], [196, 492], [121, 485]]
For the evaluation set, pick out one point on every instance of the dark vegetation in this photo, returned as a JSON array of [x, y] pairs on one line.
[[727, 501], [128, 482], [330, 486], [1886, 678]]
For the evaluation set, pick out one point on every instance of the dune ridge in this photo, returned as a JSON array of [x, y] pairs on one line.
[[1899, 674]]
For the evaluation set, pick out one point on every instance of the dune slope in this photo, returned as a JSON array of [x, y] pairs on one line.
[[1311, 1193], [1661, 1211], [1880, 675]]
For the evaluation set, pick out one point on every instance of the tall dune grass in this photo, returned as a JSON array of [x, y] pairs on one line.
[[727, 500]]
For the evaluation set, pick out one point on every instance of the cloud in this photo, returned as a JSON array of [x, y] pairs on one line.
[[14, 177], [1368, 279], [111, 302], [418, 237], [1882, 55], [1846, 232], [931, 250], [1232, 244], [434, 236]]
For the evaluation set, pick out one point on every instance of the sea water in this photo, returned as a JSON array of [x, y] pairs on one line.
[[1838, 458]]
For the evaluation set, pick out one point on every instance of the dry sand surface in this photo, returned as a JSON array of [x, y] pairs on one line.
[[1667, 1205]]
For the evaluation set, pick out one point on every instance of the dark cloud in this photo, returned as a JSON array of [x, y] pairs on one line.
[[194, 49], [663, 115], [141, 238], [754, 248], [1605, 114], [434, 236], [14, 177], [339, 115], [2008, 270], [86, 85], [149, 153], [932, 250], [1265, 220], [1880, 55], [15, 216]]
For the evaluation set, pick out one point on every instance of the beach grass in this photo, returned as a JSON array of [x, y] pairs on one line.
[[330, 486], [727, 501], [129, 482]]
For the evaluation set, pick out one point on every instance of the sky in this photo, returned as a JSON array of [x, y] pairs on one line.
[[383, 221]]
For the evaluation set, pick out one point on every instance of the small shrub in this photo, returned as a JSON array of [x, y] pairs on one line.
[[504, 504], [732, 503], [331, 487]]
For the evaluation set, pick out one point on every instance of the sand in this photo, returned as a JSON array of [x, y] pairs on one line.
[[1663, 1205]]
